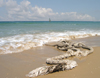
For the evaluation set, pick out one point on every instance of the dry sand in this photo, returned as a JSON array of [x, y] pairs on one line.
[[17, 65]]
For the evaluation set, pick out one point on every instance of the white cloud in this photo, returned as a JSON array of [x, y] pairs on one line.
[[74, 16], [25, 12], [11, 4], [1, 3]]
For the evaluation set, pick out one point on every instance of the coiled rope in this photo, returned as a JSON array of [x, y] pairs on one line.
[[59, 63]]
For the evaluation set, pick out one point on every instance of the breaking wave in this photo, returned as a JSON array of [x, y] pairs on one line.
[[23, 42]]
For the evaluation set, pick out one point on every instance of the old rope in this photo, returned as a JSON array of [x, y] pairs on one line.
[[59, 63]]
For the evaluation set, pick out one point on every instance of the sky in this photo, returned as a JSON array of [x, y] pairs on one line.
[[56, 10]]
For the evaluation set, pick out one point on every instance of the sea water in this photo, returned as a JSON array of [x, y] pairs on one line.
[[17, 36]]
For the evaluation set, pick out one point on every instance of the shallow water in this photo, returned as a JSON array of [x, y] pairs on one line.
[[19, 36]]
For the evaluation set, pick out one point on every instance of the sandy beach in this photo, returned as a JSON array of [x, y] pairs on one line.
[[49, 38], [17, 65]]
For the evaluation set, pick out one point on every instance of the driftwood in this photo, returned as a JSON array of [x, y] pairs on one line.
[[57, 63]]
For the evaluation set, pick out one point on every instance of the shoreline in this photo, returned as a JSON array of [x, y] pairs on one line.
[[17, 65]]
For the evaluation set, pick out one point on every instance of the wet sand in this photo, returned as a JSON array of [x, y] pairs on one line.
[[90, 41], [17, 65]]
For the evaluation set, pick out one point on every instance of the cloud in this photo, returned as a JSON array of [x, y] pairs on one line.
[[1, 3], [25, 12], [74, 16]]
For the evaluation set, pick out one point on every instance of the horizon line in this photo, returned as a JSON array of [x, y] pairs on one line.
[[48, 21]]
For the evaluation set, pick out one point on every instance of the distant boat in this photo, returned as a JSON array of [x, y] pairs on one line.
[[49, 20]]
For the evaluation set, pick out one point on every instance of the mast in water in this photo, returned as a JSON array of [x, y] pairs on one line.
[[49, 20]]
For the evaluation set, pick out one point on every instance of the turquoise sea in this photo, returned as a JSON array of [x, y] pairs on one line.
[[17, 36]]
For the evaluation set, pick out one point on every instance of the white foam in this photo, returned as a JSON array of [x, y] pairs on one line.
[[19, 43]]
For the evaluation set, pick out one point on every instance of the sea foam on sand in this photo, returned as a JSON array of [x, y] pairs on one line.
[[23, 42]]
